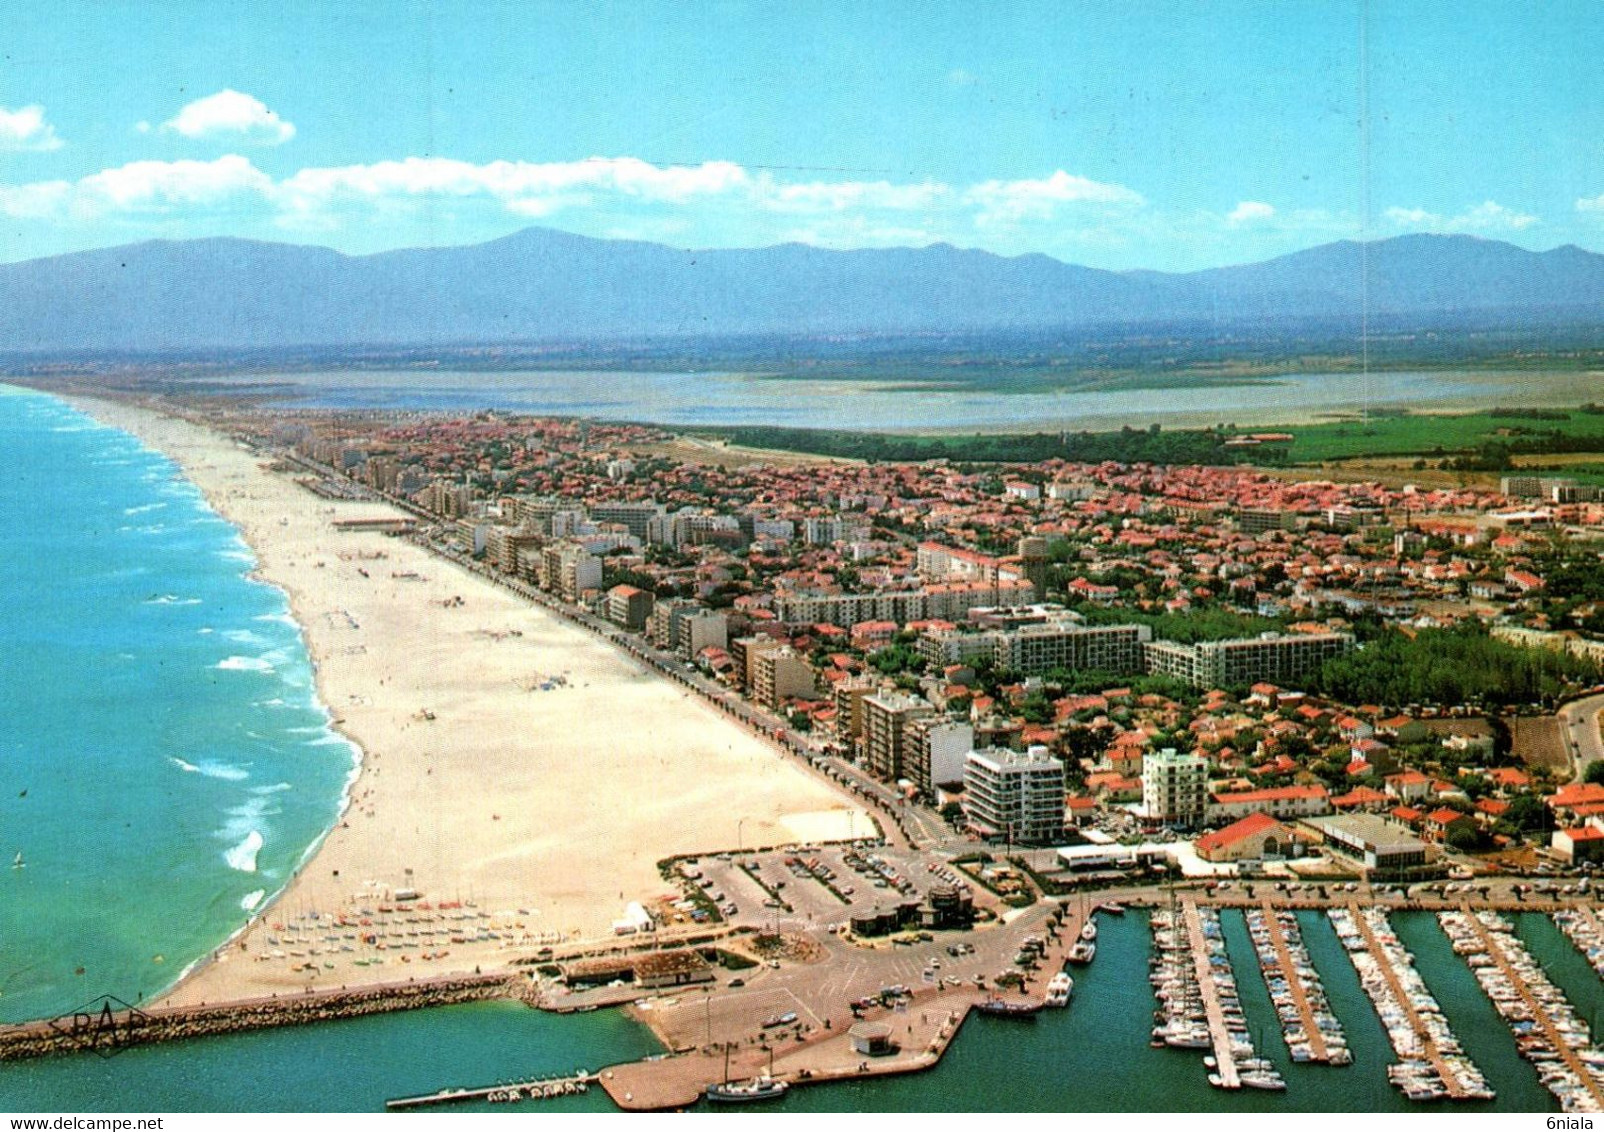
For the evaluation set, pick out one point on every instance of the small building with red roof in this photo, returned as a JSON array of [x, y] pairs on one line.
[[1248, 839]]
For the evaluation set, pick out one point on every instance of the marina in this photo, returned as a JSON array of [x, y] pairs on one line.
[[1201, 1009], [1311, 1030], [1546, 1027], [1581, 925], [1431, 1064], [437, 1049]]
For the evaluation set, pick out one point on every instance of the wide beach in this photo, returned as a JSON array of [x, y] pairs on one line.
[[514, 767]]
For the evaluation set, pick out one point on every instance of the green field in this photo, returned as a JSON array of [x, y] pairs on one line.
[[1440, 435], [1484, 441]]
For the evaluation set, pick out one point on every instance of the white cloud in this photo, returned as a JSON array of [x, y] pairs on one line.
[[839, 196], [38, 201], [1247, 211], [1590, 204], [527, 188], [1488, 216], [716, 202], [231, 115], [1412, 218], [26, 129], [145, 184], [1491, 216], [142, 188], [1008, 202]]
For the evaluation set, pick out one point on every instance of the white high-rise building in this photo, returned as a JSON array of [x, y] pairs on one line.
[[1014, 794], [1175, 787]]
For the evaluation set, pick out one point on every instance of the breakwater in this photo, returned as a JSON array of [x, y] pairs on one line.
[[108, 1026]]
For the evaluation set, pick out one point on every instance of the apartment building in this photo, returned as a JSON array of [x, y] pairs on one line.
[[1015, 794]]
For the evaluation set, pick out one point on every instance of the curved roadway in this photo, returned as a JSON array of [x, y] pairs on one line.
[[1580, 720]]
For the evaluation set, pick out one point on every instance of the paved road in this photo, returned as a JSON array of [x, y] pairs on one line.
[[1579, 720]]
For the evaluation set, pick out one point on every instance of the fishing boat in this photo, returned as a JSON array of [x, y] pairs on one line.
[[1010, 1007], [1059, 988], [762, 1088]]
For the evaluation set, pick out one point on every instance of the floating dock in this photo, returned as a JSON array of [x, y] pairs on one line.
[[1431, 1065], [536, 1089], [1527, 1000], [1219, 1031], [1302, 985]]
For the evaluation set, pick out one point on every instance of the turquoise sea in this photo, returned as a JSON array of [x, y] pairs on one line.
[[164, 762]]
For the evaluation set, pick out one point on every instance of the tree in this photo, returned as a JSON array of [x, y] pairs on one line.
[[1594, 773]]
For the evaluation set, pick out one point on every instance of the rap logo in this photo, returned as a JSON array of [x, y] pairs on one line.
[[106, 1025]]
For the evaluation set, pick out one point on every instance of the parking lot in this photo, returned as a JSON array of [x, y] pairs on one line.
[[813, 886]]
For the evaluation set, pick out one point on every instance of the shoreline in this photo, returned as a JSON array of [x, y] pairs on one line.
[[378, 651]]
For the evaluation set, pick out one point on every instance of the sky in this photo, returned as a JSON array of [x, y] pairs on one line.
[[1161, 134]]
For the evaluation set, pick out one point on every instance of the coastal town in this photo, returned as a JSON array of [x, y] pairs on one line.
[[1019, 653], [1029, 698]]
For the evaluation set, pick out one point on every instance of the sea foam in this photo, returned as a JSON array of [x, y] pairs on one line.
[[210, 769], [243, 855], [244, 664]]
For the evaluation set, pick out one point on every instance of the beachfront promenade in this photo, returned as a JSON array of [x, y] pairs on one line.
[[900, 822]]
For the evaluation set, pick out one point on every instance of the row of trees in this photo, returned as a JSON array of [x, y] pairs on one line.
[[1128, 445]]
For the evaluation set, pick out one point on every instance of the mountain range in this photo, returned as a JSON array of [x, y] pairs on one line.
[[541, 285]]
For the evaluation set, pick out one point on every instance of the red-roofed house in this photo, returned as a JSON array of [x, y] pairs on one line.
[[1508, 778], [1489, 810], [1576, 794], [1361, 798], [1281, 802], [1078, 809], [1408, 785], [1441, 822], [1251, 838], [1584, 843]]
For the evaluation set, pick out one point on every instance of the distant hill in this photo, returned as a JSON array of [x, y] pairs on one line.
[[542, 285]]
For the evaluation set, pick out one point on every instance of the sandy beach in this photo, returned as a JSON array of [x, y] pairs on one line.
[[515, 769]]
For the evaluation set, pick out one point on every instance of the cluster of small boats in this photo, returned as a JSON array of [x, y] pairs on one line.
[[1182, 1017], [537, 1091], [1253, 1071], [1180, 1021], [1419, 1033], [1282, 993], [1084, 949], [1585, 933], [1539, 1015]]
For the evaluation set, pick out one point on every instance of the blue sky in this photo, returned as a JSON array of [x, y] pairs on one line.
[[1168, 135]]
